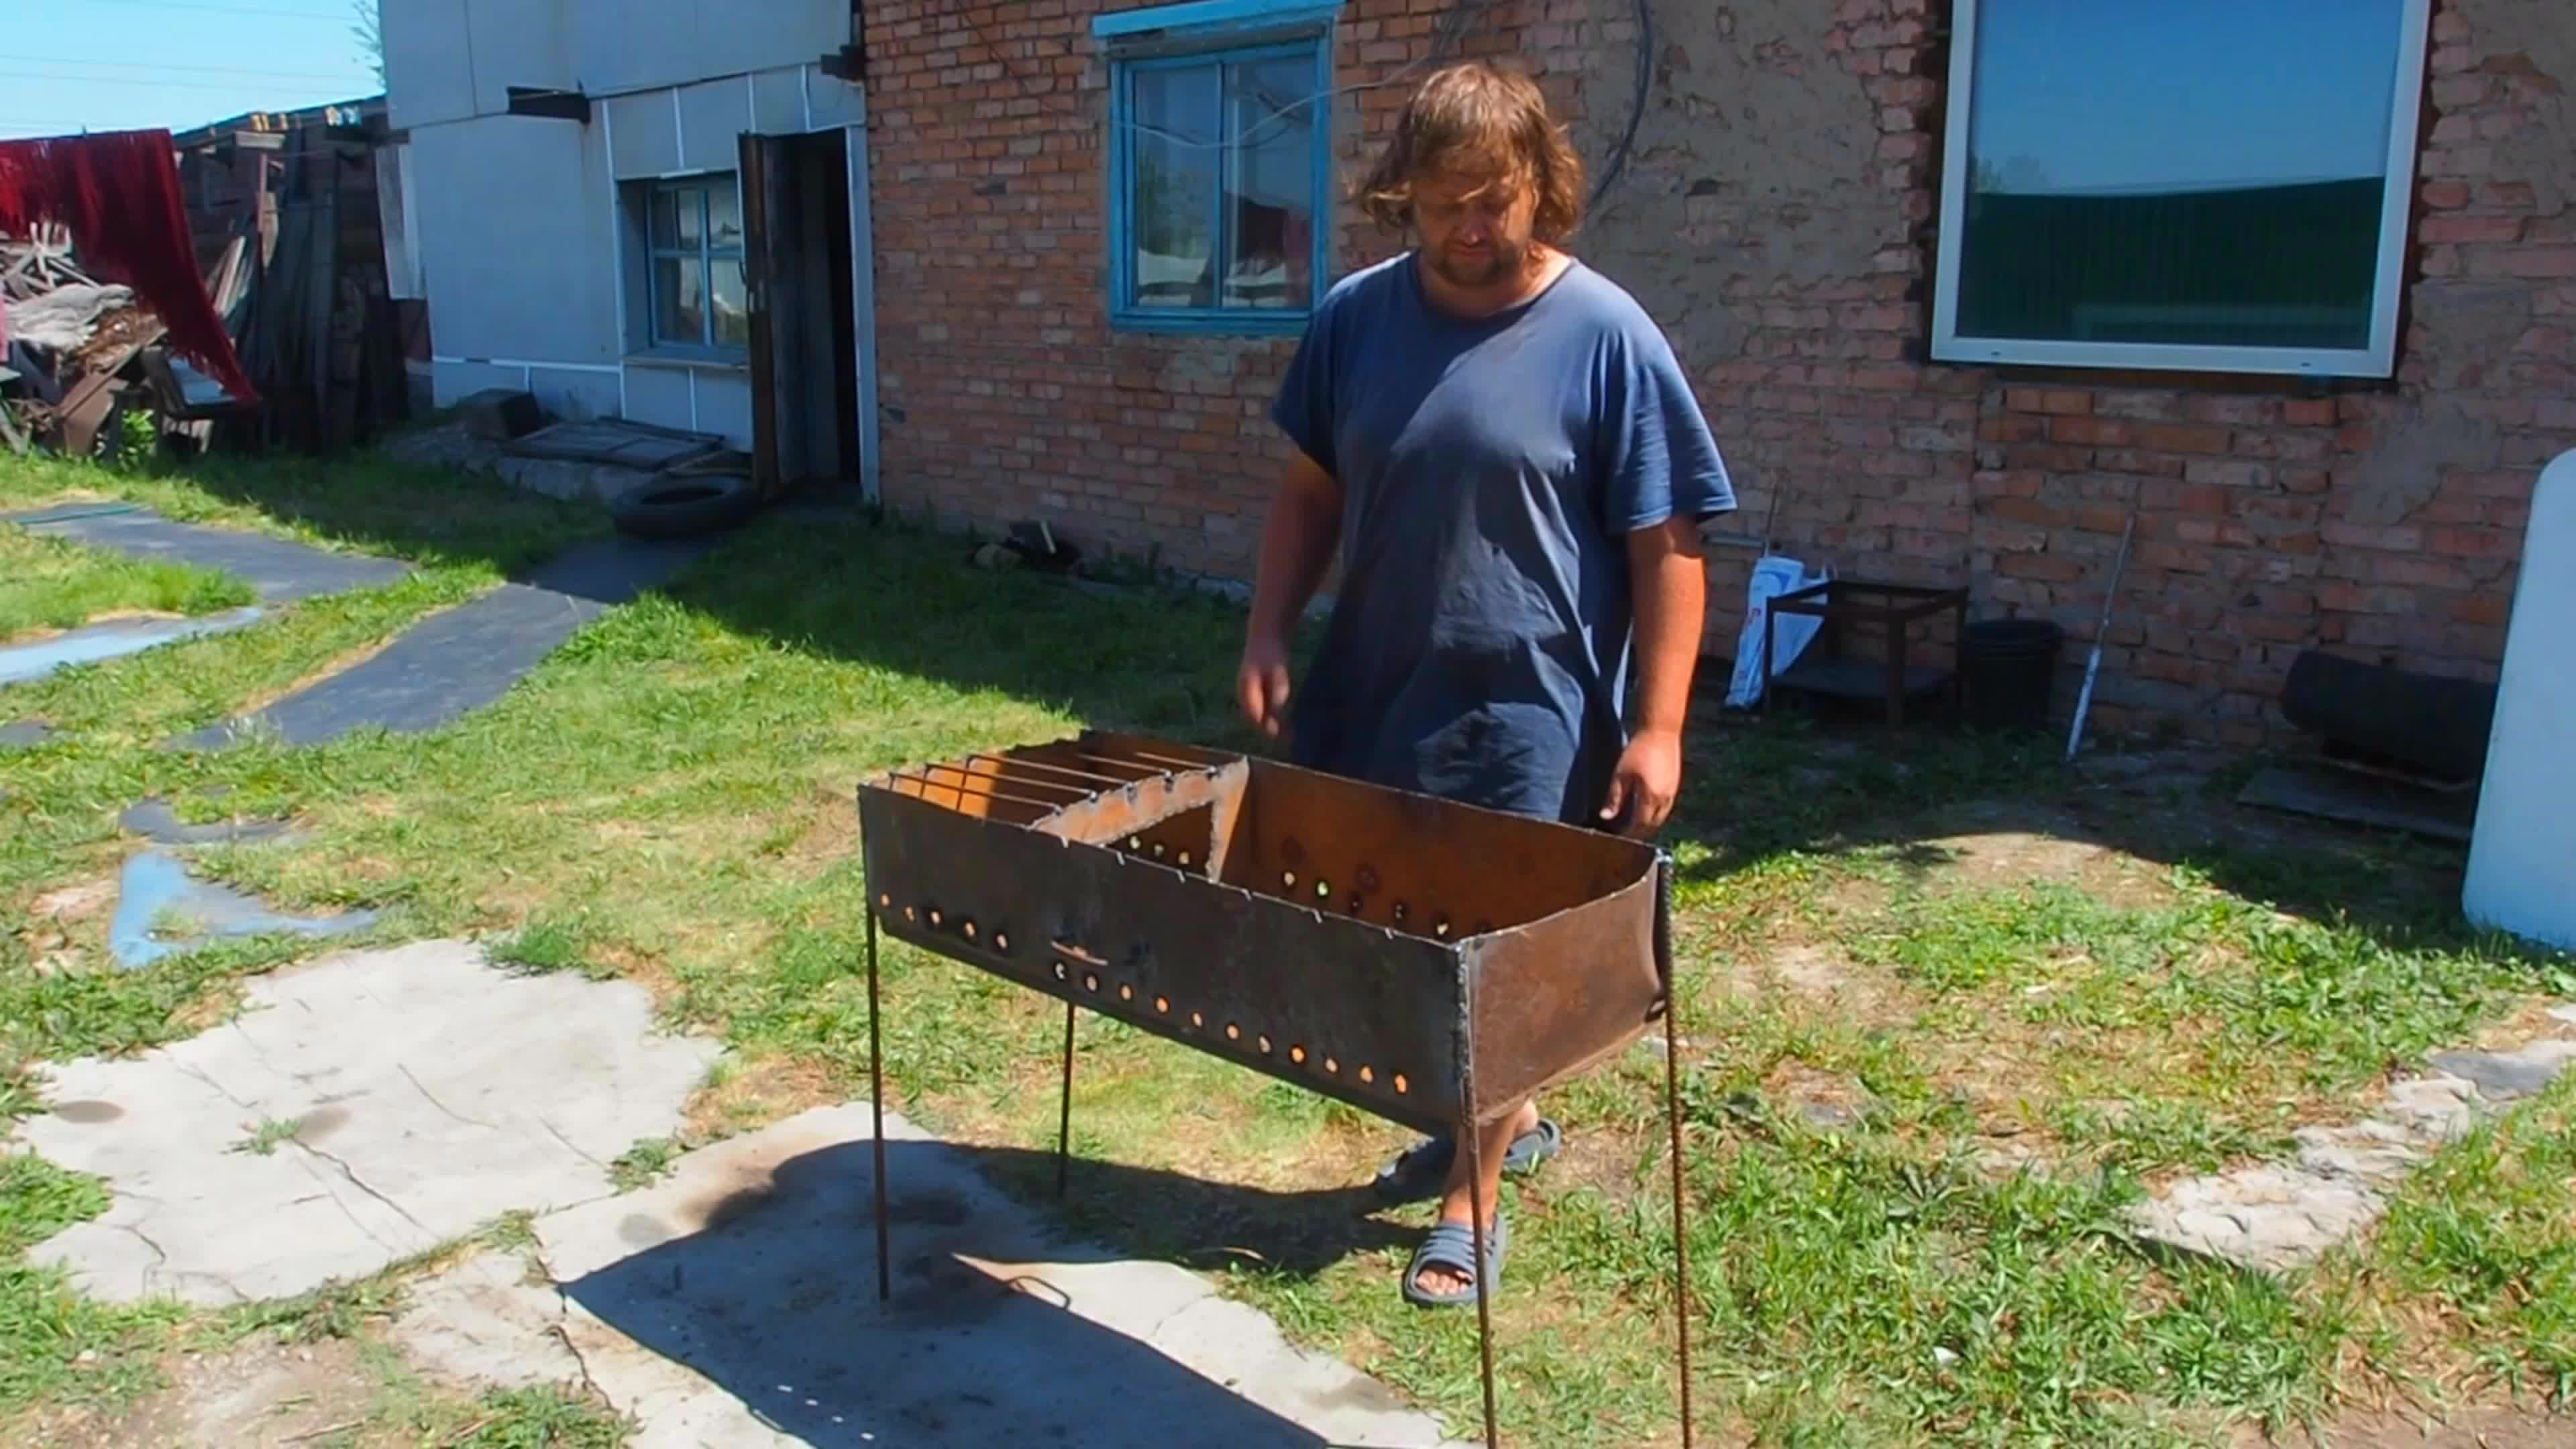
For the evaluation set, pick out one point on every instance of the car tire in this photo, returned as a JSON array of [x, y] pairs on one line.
[[683, 507]]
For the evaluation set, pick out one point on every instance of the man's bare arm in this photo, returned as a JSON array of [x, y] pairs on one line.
[[1296, 546], [1669, 585]]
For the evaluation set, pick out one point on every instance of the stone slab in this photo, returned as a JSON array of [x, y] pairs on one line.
[[278, 571], [2510, 1076], [25, 734], [2362, 800], [153, 819], [458, 661], [2278, 1215], [155, 888], [431, 1092], [115, 639], [736, 1303]]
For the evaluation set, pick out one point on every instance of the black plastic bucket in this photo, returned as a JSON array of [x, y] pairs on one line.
[[2008, 669]]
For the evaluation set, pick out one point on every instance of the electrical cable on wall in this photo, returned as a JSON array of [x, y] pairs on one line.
[[1618, 162]]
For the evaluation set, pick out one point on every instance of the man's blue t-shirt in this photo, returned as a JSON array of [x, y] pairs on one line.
[[1492, 469]]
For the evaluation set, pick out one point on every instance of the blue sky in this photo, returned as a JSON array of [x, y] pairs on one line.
[[106, 65], [2107, 94]]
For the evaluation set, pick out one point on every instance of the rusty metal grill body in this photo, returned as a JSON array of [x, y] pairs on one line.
[[1426, 961]]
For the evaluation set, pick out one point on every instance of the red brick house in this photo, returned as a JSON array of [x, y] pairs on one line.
[[1959, 280]]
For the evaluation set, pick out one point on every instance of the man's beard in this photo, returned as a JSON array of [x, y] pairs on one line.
[[1502, 261]]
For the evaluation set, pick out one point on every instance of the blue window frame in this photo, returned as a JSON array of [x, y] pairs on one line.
[[1220, 165], [692, 286]]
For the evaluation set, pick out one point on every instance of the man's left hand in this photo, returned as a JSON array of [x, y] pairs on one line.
[[1648, 780]]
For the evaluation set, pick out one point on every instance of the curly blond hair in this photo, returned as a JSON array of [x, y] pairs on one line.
[[1475, 119]]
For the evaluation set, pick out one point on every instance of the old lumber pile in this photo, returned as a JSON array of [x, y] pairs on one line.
[[76, 354]]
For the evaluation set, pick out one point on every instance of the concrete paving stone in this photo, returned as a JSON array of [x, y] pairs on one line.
[[153, 819], [431, 1093], [156, 886], [2510, 1076], [114, 639], [25, 734], [278, 571], [736, 1303], [2566, 1014]]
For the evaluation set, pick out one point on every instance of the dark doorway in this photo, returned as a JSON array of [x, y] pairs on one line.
[[804, 349]]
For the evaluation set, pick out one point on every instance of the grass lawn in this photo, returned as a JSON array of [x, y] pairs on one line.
[[1947, 1007], [48, 584]]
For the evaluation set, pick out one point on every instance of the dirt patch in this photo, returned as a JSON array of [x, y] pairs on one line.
[[2463, 1429], [261, 1396], [75, 902], [756, 1093], [830, 836], [1999, 845]]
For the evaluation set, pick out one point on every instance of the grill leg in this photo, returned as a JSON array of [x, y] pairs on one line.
[[1682, 1310], [1472, 1137], [876, 1104], [1064, 1111]]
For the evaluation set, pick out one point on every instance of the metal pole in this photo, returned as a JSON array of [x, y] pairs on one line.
[[1064, 1114], [1682, 1308], [1472, 1136], [876, 1103], [2093, 666]]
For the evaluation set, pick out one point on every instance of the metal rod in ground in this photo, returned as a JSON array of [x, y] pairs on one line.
[[1472, 1136], [2093, 665], [1064, 1112], [1682, 1308], [876, 1103]]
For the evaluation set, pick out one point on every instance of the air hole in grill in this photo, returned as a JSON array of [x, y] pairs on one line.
[[1233, 1032], [1323, 890], [1264, 1043], [1060, 972], [1185, 857], [1332, 1067], [1090, 981], [1001, 941], [1162, 1003], [1401, 1086], [1197, 1020], [1288, 878], [1297, 1054], [1126, 993], [1367, 1075]]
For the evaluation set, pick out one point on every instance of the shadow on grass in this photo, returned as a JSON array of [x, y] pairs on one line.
[[855, 587]]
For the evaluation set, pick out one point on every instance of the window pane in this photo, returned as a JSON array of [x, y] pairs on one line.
[[679, 301], [1270, 191], [724, 214], [1179, 145], [2191, 171], [666, 219], [690, 204], [733, 318]]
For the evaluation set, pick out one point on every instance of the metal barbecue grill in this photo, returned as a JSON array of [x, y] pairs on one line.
[[1425, 961]]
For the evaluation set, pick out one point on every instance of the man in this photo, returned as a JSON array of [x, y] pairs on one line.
[[1501, 447]]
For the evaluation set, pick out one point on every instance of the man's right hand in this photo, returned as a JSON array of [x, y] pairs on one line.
[[1261, 684]]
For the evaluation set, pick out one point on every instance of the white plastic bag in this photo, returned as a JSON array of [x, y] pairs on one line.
[[1773, 576]]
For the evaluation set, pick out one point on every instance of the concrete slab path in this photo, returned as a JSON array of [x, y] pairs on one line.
[[465, 658], [278, 571], [736, 1304], [427, 1093], [94, 643]]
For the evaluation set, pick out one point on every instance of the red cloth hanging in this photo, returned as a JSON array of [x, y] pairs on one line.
[[118, 193]]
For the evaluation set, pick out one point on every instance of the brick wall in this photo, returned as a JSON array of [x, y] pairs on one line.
[[1776, 213]]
